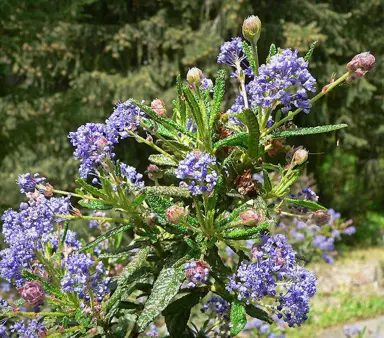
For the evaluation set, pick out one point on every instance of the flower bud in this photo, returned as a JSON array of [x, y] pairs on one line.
[[175, 213], [194, 76], [154, 172], [300, 156], [252, 28], [252, 217], [159, 107], [33, 293], [363, 61], [150, 219], [48, 190], [321, 217]]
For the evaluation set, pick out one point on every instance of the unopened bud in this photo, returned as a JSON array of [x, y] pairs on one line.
[[150, 219], [175, 213], [251, 217], [252, 28], [33, 293], [363, 61], [48, 190], [154, 172], [321, 217], [194, 76], [300, 156], [159, 107]]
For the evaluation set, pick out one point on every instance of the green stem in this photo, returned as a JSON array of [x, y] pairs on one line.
[[291, 215], [314, 99], [93, 218], [255, 56], [34, 314], [69, 330], [67, 193]]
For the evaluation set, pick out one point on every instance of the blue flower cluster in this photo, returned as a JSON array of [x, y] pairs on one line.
[[28, 183], [131, 175], [93, 146], [273, 263], [29, 329], [24, 231], [197, 168], [218, 309], [125, 117], [284, 80], [231, 52], [80, 278]]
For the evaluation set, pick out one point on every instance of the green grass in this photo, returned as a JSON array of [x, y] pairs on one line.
[[339, 309]]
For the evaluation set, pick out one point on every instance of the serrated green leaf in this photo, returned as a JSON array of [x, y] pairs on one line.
[[308, 56], [194, 108], [253, 133], [162, 160], [306, 204], [81, 318], [218, 96], [124, 281], [258, 313], [169, 191], [159, 128], [95, 205], [267, 181], [245, 233], [308, 131], [239, 139], [164, 289], [238, 317], [272, 52], [248, 53], [108, 234], [90, 188]]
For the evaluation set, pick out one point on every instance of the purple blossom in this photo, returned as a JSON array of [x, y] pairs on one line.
[[94, 145], [197, 168], [131, 175], [349, 231], [29, 329], [82, 274], [218, 310], [126, 116], [28, 183], [328, 258], [285, 80], [352, 330], [231, 52], [206, 84], [196, 272]]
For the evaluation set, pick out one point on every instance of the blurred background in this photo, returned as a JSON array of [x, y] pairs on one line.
[[65, 63]]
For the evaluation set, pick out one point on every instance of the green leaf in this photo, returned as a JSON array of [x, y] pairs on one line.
[[162, 120], [96, 205], [164, 289], [239, 139], [245, 233], [272, 52], [235, 213], [253, 133], [108, 234], [90, 188], [308, 131], [218, 96], [169, 191], [258, 313], [214, 260], [194, 108], [308, 56], [159, 128], [124, 281], [82, 318], [162, 160], [238, 317], [306, 204], [181, 101], [185, 302], [267, 181], [249, 55], [177, 323]]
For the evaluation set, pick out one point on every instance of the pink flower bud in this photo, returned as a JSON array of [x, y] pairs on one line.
[[33, 293], [194, 76], [48, 190], [321, 217], [252, 217], [300, 156], [154, 172], [175, 213], [252, 28], [159, 107], [196, 272], [365, 61]]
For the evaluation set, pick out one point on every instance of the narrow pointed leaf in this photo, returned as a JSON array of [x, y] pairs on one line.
[[181, 101], [245, 233], [308, 56], [169, 191], [185, 302], [217, 97], [238, 317], [95, 205], [253, 133], [108, 234], [249, 55], [258, 313], [90, 188], [308, 131], [162, 160], [239, 139], [272, 52], [194, 108], [306, 204]]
